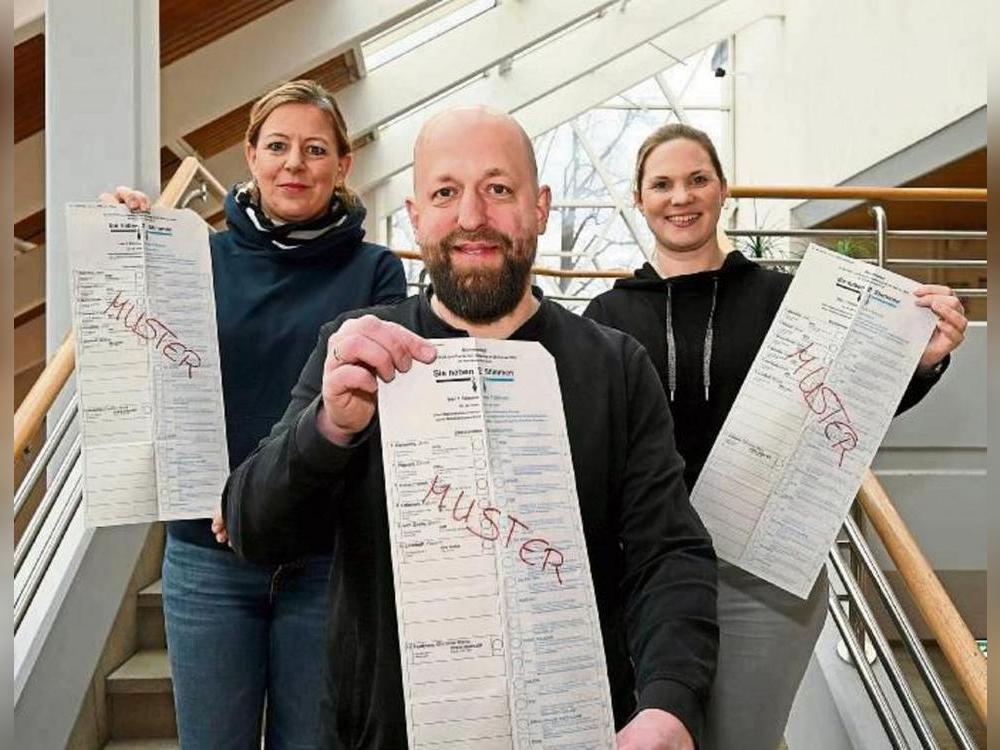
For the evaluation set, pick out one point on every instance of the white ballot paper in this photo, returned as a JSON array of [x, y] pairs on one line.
[[779, 481], [147, 353], [498, 627]]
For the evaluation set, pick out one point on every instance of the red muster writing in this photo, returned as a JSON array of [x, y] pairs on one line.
[[164, 340], [824, 401], [493, 524]]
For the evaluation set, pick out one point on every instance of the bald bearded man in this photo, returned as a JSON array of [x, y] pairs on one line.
[[478, 210]]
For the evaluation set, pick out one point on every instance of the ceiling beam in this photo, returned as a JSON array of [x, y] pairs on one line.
[[29, 175], [184, 26], [532, 77], [410, 80], [597, 86], [242, 65], [29, 19], [462, 53]]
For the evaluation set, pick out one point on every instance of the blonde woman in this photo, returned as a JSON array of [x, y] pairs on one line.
[[702, 312], [241, 636]]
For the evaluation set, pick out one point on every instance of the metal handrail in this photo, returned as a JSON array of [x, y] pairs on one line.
[[936, 607], [190, 168], [901, 234], [894, 234], [860, 192], [39, 518], [867, 674], [859, 605], [48, 553], [41, 461], [911, 641], [890, 528]]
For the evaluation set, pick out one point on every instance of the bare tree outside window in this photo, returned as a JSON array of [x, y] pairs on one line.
[[588, 163]]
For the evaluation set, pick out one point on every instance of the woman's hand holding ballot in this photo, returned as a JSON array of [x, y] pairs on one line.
[[951, 324], [136, 200], [360, 350]]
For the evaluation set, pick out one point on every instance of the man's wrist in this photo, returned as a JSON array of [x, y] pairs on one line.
[[326, 428]]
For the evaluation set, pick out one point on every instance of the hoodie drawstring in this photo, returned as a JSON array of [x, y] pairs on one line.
[[706, 364], [706, 357], [671, 348]]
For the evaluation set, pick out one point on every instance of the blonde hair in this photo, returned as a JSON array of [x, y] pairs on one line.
[[305, 91], [671, 132]]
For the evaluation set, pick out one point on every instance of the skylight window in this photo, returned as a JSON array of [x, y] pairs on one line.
[[437, 20]]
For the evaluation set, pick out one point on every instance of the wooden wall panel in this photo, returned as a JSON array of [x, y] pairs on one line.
[[31, 228], [967, 172], [187, 25], [228, 130], [29, 87], [169, 161]]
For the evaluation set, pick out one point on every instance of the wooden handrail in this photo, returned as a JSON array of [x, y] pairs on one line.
[[861, 192], [30, 414], [213, 184], [936, 607], [174, 190], [933, 602]]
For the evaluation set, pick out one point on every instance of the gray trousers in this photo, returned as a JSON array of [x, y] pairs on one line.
[[766, 636]]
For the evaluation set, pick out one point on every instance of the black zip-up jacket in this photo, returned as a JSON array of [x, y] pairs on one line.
[[717, 320], [651, 558]]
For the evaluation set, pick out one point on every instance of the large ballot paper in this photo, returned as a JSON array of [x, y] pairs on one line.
[[779, 480], [498, 627], [147, 353]]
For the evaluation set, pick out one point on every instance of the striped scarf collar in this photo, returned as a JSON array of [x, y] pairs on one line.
[[286, 235]]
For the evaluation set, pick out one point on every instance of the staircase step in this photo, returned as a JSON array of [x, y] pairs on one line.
[[141, 699], [149, 616], [154, 744], [146, 671], [152, 595]]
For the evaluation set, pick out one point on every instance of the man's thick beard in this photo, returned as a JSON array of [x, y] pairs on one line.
[[480, 296]]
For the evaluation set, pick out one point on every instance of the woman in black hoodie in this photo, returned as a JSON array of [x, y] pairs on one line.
[[702, 315], [293, 257]]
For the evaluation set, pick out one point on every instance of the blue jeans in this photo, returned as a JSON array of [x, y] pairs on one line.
[[238, 632]]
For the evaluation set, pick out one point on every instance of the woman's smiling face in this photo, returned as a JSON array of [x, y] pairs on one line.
[[295, 162], [681, 195]]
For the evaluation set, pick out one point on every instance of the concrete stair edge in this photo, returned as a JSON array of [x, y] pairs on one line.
[[149, 744], [152, 595], [146, 671]]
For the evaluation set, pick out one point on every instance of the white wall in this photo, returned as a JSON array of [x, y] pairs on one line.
[[933, 463], [834, 87]]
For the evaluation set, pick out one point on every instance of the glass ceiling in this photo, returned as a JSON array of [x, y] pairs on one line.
[[593, 224], [421, 28]]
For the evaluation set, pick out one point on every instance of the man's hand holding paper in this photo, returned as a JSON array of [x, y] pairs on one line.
[[362, 349], [653, 729]]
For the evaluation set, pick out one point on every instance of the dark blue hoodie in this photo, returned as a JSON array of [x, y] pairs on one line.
[[271, 299]]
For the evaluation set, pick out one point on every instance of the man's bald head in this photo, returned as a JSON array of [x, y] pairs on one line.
[[477, 211], [452, 125]]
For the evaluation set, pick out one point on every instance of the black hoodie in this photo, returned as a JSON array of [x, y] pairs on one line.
[[717, 321], [650, 557], [274, 287]]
